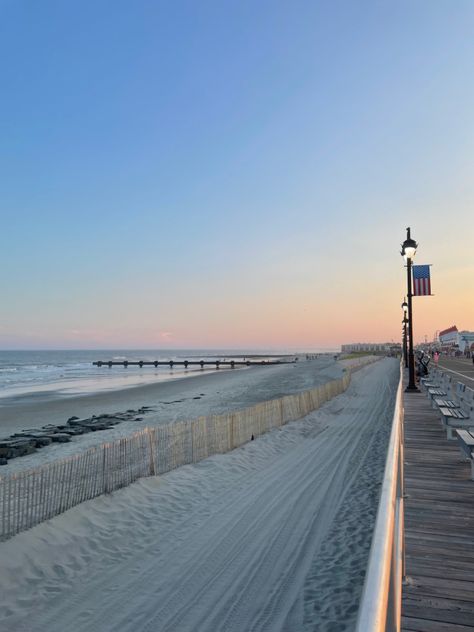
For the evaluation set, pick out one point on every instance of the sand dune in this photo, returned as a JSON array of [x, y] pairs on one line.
[[273, 536]]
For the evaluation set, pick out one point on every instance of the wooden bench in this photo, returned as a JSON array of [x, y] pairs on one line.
[[430, 382], [466, 443], [432, 379], [453, 418], [439, 392], [457, 396]]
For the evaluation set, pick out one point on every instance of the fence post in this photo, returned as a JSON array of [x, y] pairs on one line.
[[152, 454], [4, 507], [104, 469]]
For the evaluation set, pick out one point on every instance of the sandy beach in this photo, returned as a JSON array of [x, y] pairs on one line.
[[180, 399], [273, 536]]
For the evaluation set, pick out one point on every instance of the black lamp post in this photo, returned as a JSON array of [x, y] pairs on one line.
[[405, 332], [409, 247]]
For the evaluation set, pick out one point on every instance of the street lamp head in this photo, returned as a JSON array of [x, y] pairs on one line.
[[409, 246]]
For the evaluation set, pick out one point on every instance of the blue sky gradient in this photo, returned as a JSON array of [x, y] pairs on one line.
[[232, 173]]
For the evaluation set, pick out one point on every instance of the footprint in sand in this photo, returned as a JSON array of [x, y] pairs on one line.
[[86, 614]]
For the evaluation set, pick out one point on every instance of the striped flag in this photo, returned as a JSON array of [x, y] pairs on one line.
[[421, 281]]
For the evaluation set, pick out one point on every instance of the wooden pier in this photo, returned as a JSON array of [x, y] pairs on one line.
[[188, 363], [438, 595]]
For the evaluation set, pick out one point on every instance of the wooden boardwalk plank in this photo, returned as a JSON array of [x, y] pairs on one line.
[[439, 526], [412, 624]]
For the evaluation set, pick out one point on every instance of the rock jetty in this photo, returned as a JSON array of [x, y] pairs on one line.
[[30, 440]]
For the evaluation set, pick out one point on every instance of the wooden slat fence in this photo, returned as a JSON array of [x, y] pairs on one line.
[[32, 496]]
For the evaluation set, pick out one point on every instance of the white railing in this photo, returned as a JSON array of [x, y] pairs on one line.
[[380, 608]]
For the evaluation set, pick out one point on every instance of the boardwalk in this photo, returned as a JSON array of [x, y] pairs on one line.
[[439, 594]]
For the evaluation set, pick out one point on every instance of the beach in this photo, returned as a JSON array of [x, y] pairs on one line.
[[271, 536], [180, 399]]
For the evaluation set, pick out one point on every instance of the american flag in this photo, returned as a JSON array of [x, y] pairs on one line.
[[421, 281]]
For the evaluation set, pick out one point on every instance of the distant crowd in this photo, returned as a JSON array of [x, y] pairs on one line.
[[456, 353]]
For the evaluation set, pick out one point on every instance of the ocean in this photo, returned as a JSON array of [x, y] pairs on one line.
[[69, 373]]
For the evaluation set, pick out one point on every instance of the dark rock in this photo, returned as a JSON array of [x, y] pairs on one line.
[[39, 439], [72, 418], [78, 422], [72, 432], [84, 429], [98, 426], [11, 448], [111, 421], [42, 441], [60, 437], [3, 461]]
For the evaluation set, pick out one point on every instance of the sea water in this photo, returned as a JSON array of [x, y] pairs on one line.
[[68, 373]]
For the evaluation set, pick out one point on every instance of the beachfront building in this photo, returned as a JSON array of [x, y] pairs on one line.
[[455, 342], [377, 348]]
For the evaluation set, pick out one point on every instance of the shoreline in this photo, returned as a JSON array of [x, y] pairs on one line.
[[24, 375], [50, 395], [178, 400], [36, 409]]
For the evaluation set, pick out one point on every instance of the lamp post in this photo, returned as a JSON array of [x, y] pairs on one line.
[[405, 341], [405, 332], [409, 247]]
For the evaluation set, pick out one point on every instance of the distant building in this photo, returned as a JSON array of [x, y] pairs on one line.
[[466, 341], [456, 342], [371, 347], [448, 337]]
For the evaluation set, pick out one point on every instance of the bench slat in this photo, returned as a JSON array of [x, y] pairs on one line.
[[453, 412], [437, 391], [446, 403]]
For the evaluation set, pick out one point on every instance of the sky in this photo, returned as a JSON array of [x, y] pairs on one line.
[[233, 174]]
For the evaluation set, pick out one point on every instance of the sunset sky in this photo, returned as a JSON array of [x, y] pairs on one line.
[[233, 174]]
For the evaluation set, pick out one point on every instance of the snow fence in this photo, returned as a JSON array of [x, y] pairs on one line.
[[32, 496]]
